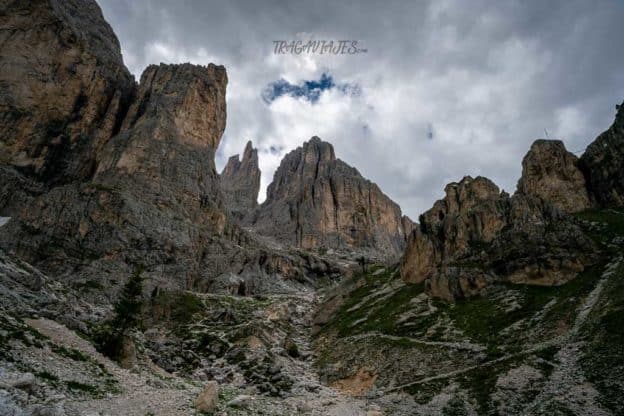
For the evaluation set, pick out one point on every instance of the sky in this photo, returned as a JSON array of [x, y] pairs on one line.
[[437, 89]]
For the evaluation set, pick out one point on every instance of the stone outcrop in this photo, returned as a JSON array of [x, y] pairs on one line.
[[240, 182], [551, 173], [64, 88], [317, 200], [140, 191], [603, 164], [478, 235]]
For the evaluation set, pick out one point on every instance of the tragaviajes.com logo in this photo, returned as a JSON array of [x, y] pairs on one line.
[[319, 47]]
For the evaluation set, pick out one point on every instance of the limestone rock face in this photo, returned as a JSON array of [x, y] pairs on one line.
[[155, 198], [551, 173], [603, 164], [169, 138], [316, 200], [151, 198], [478, 235], [240, 181], [64, 88], [151, 193], [473, 212]]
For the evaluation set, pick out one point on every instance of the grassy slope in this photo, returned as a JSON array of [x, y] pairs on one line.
[[508, 320]]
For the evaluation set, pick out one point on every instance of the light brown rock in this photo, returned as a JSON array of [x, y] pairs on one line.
[[240, 181], [208, 399], [317, 200], [64, 87], [551, 173]]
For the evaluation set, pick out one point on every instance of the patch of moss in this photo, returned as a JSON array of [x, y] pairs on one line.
[[82, 387], [484, 318], [455, 407], [423, 393], [70, 353], [46, 375], [89, 285]]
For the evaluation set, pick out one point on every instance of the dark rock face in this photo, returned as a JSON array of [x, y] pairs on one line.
[[551, 173], [151, 197], [316, 200], [155, 197], [63, 88], [603, 164], [240, 182], [477, 235]]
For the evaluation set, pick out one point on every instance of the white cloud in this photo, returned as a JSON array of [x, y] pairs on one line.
[[486, 80]]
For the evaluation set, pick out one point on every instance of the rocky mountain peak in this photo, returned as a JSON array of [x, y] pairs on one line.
[[240, 181], [185, 97], [551, 173], [603, 164], [317, 200]]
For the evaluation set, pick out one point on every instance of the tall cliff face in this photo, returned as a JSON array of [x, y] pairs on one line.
[[478, 235], [169, 138], [603, 164], [552, 174], [316, 200], [64, 88], [240, 182], [151, 193], [528, 238], [149, 196]]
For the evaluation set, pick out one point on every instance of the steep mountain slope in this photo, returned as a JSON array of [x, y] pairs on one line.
[[134, 182], [316, 200], [477, 235], [534, 287], [240, 181]]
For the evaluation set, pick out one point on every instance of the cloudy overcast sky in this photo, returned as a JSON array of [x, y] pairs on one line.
[[447, 88]]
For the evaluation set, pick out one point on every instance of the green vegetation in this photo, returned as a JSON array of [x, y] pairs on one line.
[[603, 361], [89, 285], [109, 337], [71, 353], [424, 392], [455, 407], [365, 310], [82, 387], [482, 319], [46, 375]]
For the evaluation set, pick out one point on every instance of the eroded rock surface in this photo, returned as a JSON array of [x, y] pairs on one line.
[[151, 197], [603, 164], [317, 200], [551, 173], [478, 234], [64, 88], [240, 181]]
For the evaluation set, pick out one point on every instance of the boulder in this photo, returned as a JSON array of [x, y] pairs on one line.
[[208, 399], [551, 173]]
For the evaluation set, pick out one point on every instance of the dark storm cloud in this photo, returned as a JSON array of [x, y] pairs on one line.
[[485, 77]]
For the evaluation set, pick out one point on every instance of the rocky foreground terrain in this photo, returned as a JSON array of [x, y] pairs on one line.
[[136, 280]]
